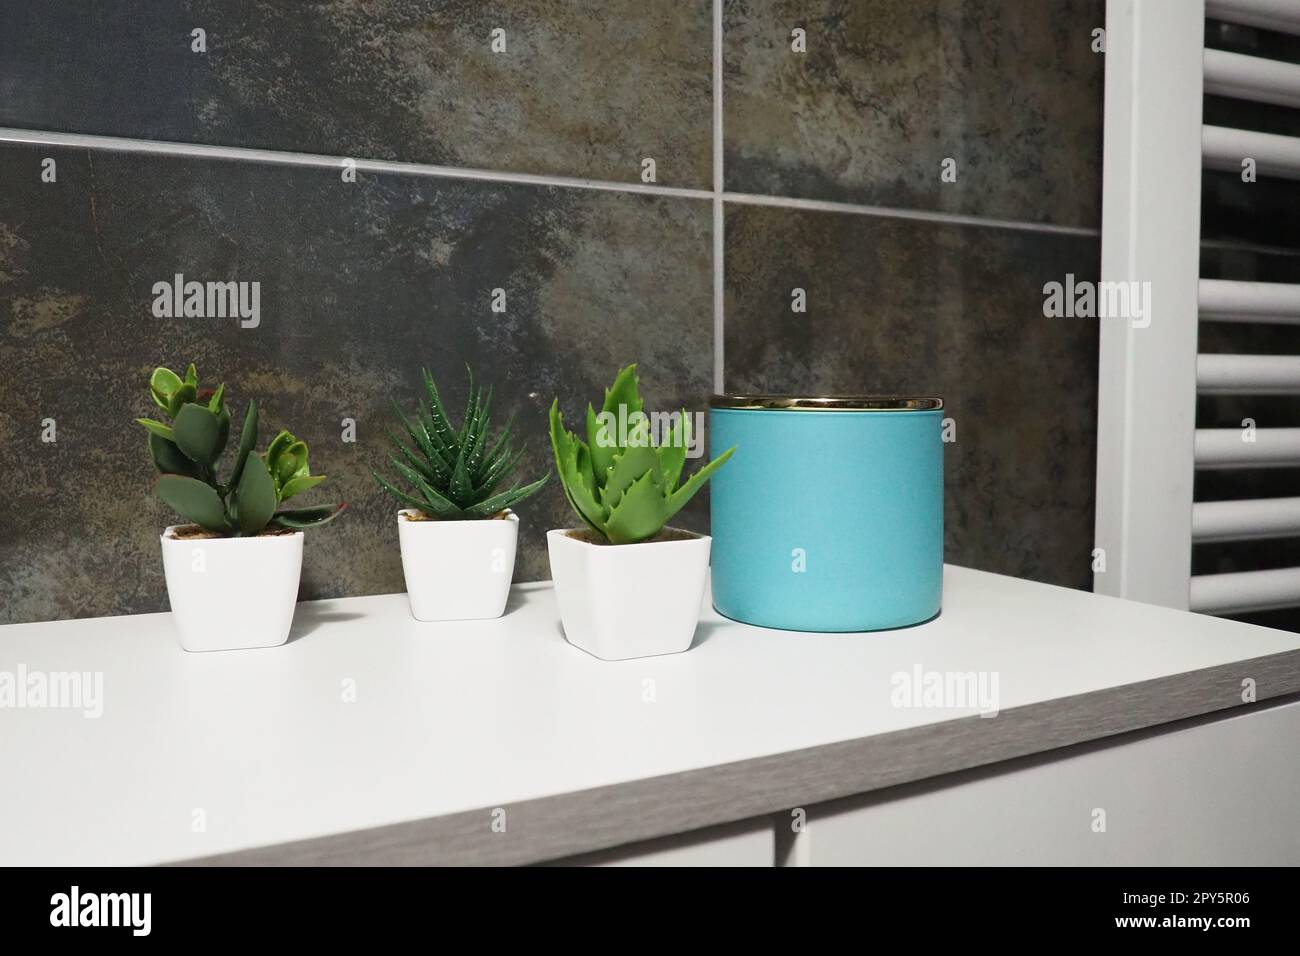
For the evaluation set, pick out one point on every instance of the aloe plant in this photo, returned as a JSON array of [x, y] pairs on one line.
[[187, 446], [453, 473], [622, 485]]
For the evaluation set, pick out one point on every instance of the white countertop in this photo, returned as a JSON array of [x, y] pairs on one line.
[[472, 715]]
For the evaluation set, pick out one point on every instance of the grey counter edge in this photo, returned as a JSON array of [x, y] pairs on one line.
[[553, 827]]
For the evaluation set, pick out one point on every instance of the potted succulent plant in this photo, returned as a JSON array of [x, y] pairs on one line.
[[232, 574], [627, 584], [457, 532]]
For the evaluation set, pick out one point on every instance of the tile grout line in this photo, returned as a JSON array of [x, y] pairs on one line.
[[91, 141], [894, 212], [318, 160], [719, 218]]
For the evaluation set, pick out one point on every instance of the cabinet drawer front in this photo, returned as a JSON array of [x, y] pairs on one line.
[[1218, 793]]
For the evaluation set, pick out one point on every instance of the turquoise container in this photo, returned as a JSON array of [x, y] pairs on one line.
[[829, 516]]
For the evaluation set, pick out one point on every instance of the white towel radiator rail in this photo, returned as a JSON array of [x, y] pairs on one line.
[[1148, 444]]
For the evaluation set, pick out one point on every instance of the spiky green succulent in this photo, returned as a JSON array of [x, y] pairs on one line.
[[620, 483], [453, 473], [186, 449]]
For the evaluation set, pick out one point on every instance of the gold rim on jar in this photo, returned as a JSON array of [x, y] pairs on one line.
[[827, 403]]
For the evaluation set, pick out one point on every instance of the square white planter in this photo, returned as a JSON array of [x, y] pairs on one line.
[[231, 593], [458, 570], [619, 601]]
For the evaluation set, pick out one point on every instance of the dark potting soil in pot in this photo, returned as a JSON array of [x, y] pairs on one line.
[[192, 532], [421, 516]]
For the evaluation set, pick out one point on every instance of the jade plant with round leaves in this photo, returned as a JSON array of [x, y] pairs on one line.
[[622, 485], [187, 447]]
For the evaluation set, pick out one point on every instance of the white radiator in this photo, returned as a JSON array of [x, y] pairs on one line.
[[1148, 444]]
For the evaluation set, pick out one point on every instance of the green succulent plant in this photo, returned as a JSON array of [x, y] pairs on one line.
[[453, 473], [186, 449], [622, 485]]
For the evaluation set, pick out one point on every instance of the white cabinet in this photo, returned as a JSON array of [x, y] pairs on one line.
[[1224, 792]]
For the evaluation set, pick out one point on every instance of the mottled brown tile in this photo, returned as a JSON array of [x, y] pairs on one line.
[[907, 307], [582, 89], [361, 285], [888, 89]]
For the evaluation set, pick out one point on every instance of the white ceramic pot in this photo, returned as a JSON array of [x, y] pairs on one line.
[[230, 593], [619, 601], [458, 570]]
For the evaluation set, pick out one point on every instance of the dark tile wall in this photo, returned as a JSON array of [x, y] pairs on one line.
[[582, 89], [889, 89], [361, 284], [929, 309]]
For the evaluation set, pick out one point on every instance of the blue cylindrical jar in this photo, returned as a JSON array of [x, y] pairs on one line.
[[829, 516]]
